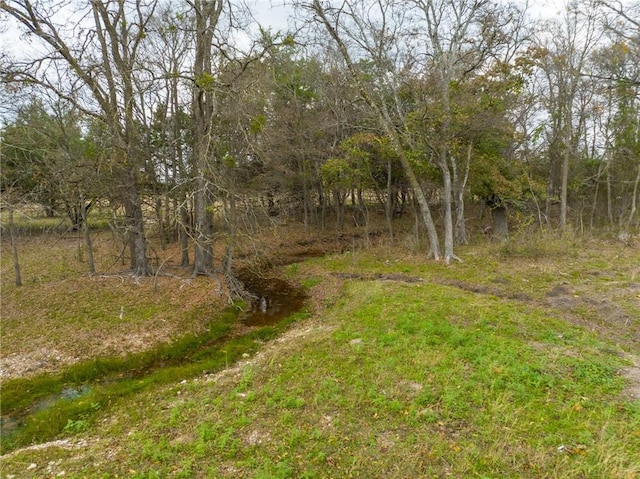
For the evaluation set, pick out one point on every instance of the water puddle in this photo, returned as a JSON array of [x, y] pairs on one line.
[[67, 394], [275, 299]]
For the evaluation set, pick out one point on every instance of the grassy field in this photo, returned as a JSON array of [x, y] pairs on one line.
[[522, 361]]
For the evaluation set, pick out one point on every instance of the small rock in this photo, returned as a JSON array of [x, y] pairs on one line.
[[33, 465], [353, 342]]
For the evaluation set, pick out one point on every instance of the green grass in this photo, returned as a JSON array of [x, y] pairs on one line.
[[31, 221], [432, 383], [394, 380]]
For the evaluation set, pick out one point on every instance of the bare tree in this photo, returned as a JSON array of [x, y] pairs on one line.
[[170, 51], [623, 22], [568, 45], [207, 16], [95, 65]]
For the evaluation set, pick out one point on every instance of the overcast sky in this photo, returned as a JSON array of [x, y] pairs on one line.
[[272, 13]]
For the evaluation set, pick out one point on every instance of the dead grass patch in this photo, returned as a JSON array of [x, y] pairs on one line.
[[632, 375]]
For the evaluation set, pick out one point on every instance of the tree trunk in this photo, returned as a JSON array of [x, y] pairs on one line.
[[87, 240], [231, 218], [459, 185], [500, 227], [323, 207], [184, 234], [340, 201], [162, 225], [204, 102], [609, 197], [203, 231], [362, 218], [448, 217], [594, 205], [305, 197], [427, 219], [389, 202], [14, 249], [135, 225], [565, 174], [634, 200]]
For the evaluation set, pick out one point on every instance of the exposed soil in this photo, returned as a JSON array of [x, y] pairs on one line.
[[632, 375], [597, 311], [402, 278]]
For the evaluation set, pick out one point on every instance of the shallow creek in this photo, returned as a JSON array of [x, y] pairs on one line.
[[275, 300]]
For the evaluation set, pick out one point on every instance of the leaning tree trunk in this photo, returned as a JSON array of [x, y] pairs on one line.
[[388, 209], [425, 211]]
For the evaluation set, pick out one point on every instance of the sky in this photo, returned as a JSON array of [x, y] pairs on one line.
[[275, 15], [268, 11]]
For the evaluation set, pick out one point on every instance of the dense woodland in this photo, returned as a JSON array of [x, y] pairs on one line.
[[191, 121]]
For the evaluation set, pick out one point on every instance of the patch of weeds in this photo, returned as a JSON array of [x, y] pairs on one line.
[[76, 426], [539, 246], [274, 470], [309, 283]]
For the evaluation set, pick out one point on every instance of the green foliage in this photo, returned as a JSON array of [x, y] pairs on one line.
[[76, 426], [338, 174], [364, 163], [206, 81], [48, 159], [256, 125], [494, 177], [309, 283]]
